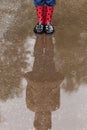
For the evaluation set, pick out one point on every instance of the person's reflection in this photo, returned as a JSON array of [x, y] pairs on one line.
[[43, 89]]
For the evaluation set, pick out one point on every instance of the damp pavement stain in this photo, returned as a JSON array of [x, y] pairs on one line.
[[43, 79]]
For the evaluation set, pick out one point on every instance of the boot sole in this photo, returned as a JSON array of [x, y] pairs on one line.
[[49, 33], [44, 31], [38, 32]]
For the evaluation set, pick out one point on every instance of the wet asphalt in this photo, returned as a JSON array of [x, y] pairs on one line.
[[43, 78]]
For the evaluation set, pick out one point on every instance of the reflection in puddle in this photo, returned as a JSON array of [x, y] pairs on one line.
[[72, 112], [43, 89], [26, 104], [70, 107]]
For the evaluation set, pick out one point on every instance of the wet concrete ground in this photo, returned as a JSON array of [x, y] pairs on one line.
[[43, 79]]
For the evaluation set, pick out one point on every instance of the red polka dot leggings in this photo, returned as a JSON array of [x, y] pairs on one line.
[[44, 14]]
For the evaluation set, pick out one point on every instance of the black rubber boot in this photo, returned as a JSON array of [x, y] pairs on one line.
[[39, 28], [49, 29]]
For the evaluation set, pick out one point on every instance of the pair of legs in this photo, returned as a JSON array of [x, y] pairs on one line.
[[44, 9]]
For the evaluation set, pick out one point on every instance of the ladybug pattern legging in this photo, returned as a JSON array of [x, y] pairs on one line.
[[42, 2]]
